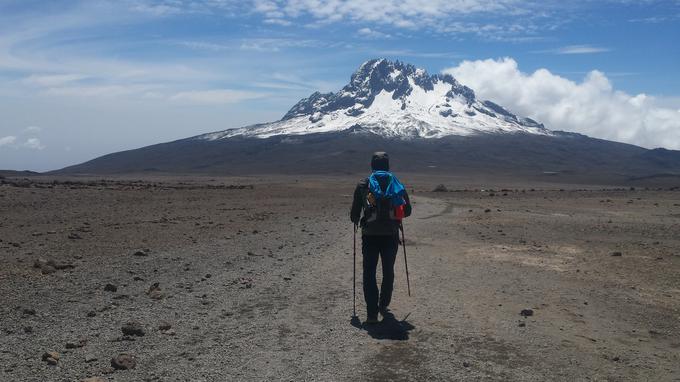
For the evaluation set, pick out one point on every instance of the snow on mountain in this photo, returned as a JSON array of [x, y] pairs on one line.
[[393, 99]]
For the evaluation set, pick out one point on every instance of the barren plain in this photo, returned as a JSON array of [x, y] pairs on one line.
[[250, 278]]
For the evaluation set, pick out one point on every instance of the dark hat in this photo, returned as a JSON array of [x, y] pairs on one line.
[[380, 161]]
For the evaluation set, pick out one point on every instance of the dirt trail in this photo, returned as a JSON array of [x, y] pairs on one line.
[[257, 284]]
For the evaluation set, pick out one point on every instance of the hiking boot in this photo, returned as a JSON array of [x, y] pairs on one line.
[[385, 312], [372, 320]]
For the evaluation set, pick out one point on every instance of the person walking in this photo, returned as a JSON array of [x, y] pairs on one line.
[[380, 202]]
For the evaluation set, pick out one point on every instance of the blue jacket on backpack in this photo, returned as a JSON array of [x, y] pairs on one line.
[[394, 192]]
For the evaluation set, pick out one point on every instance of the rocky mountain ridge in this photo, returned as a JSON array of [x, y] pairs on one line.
[[393, 99]]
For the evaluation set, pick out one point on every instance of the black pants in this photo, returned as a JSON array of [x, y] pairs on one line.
[[386, 248]]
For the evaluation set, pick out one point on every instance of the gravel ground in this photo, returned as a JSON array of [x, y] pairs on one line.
[[213, 279]]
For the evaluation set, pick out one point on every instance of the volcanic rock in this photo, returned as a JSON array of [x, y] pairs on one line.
[[133, 328], [164, 326], [123, 361], [155, 292], [94, 379], [73, 345], [51, 357]]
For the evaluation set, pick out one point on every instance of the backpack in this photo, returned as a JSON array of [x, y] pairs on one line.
[[384, 201]]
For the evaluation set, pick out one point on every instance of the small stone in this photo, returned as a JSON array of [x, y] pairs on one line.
[[617, 254], [133, 328], [110, 288], [487, 210], [466, 364], [59, 266], [29, 311], [169, 332], [94, 379], [140, 253], [522, 324], [123, 361], [91, 313], [154, 291], [526, 312], [440, 188], [74, 345], [74, 236], [51, 357], [51, 354], [28, 329], [164, 326], [47, 269], [89, 357]]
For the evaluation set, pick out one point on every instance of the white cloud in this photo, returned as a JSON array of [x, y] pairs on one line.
[[203, 45], [275, 21], [656, 19], [384, 11], [577, 49], [216, 96], [33, 143], [52, 79], [98, 90], [412, 53], [276, 44], [443, 16], [32, 129], [592, 106], [30, 143], [8, 140], [372, 34], [158, 10]]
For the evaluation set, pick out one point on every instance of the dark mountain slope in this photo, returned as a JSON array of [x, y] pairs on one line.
[[428, 123]]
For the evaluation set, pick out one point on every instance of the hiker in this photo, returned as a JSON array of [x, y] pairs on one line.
[[383, 201]]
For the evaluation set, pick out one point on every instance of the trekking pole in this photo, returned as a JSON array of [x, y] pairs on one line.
[[354, 274], [403, 244]]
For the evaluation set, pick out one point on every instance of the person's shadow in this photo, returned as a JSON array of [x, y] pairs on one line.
[[388, 329]]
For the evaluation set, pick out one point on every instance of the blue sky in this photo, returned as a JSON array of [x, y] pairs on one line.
[[79, 79]]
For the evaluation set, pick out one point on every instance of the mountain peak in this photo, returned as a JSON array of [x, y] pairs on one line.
[[381, 69], [395, 99], [373, 77]]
